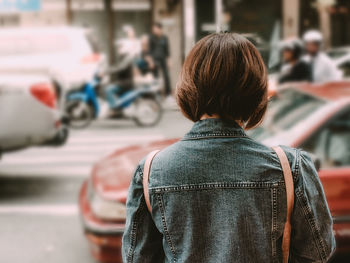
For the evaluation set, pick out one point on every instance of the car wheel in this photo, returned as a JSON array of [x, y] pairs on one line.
[[60, 138]]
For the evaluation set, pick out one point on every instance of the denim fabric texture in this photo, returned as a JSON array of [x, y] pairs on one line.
[[219, 196]]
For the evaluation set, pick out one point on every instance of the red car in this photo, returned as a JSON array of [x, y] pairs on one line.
[[313, 117]]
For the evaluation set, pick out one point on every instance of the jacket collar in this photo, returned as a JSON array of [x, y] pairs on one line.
[[208, 128]]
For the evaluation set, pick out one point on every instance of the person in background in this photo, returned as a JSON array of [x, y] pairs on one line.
[[144, 65], [294, 68], [159, 50], [323, 68], [129, 44], [122, 74], [122, 80], [144, 61]]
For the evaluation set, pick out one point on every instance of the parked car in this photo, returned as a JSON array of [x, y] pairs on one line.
[[341, 57], [37, 66], [66, 53], [28, 113], [338, 52], [313, 117]]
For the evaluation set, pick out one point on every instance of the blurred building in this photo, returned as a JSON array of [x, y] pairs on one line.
[[186, 21]]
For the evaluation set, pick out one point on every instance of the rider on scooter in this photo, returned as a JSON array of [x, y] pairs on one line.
[[144, 64], [125, 75], [121, 79], [121, 75]]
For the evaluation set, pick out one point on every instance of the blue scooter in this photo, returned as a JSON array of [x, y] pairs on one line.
[[141, 104]]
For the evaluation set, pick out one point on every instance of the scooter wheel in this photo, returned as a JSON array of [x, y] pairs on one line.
[[80, 114], [148, 111]]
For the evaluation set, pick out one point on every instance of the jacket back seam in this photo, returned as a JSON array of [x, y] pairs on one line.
[[274, 223], [165, 228]]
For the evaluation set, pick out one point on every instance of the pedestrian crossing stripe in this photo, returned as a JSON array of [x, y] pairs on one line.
[[54, 210], [75, 159]]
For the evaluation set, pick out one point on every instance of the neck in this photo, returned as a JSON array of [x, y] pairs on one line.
[[216, 116], [206, 116]]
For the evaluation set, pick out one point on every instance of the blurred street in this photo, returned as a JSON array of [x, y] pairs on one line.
[[39, 215], [80, 79]]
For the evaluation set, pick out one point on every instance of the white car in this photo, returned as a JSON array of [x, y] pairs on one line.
[[30, 58], [341, 57], [28, 113], [66, 54]]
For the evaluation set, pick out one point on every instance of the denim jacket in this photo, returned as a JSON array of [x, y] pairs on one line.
[[219, 196]]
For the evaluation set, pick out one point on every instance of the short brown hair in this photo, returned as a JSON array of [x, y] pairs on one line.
[[224, 74]]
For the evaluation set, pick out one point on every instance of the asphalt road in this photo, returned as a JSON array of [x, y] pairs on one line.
[[39, 218]]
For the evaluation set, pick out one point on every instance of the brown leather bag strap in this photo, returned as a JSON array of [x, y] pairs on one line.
[[288, 179], [145, 179]]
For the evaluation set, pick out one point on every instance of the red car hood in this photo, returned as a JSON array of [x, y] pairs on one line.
[[122, 162]]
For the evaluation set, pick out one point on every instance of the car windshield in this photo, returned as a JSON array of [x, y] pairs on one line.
[[284, 111]]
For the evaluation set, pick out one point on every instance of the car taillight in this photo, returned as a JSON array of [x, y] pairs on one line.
[[44, 92], [92, 58]]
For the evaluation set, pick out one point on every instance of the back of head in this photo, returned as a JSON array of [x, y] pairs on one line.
[[224, 75]]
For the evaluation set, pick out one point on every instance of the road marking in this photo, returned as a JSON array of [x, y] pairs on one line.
[[133, 139], [52, 210], [77, 171], [75, 159], [64, 159], [79, 151]]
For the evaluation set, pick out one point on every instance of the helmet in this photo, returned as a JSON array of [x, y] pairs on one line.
[[293, 44], [313, 36]]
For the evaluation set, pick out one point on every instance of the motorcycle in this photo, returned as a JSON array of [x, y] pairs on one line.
[[142, 104]]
